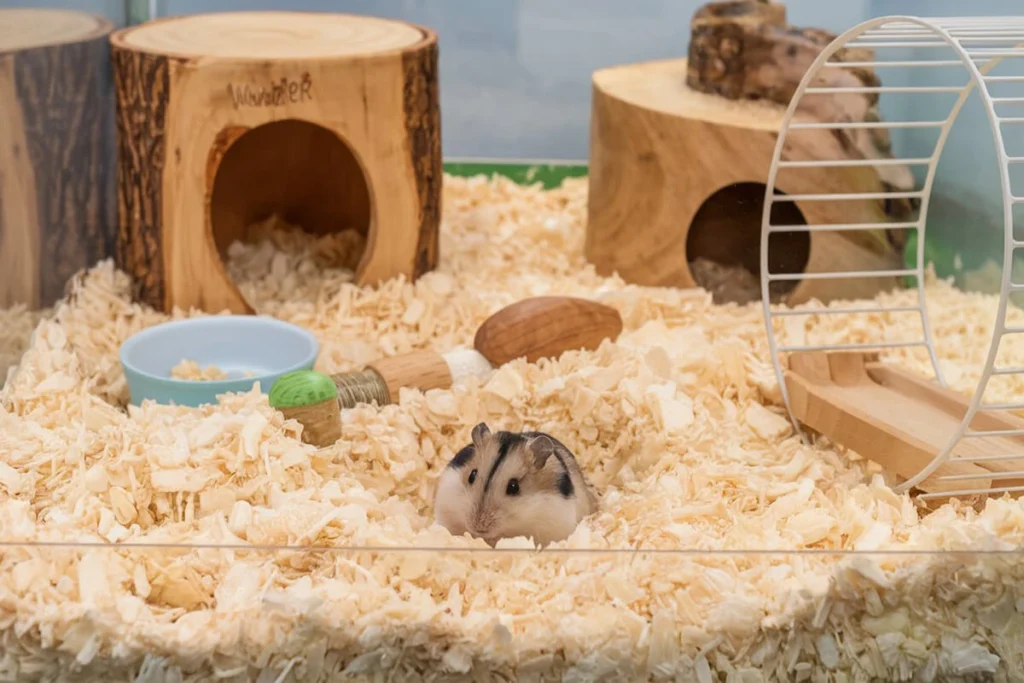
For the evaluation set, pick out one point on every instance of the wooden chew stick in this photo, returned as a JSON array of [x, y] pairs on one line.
[[900, 421], [532, 329], [423, 370]]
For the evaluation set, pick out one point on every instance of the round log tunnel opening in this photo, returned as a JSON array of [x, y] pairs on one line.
[[723, 244], [292, 175]]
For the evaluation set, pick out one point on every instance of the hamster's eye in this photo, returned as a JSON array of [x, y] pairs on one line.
[[513, 487], [472, 477]]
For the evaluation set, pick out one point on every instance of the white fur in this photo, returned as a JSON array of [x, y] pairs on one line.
[[544, 517], [452, 502]]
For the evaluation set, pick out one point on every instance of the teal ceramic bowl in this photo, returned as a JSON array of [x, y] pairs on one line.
[[263, 346]]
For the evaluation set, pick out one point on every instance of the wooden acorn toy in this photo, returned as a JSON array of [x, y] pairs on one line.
[[312, 399], [535, 328]]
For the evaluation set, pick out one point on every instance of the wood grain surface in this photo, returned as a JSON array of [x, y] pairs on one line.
[[423, 370], [546, 327]]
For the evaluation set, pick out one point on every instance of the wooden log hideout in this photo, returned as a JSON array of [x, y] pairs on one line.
[[57, 150], [330, 122], [681, 149]]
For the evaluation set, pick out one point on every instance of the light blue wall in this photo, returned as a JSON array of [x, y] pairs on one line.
[[515, 74]]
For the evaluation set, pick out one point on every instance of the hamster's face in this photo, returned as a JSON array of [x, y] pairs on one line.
[[492, 490]]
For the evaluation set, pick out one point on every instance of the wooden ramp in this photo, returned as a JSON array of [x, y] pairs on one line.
[[903, 422]]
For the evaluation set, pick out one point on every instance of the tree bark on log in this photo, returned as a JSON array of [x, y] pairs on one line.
[[142, 93], [422, 104], [57, 151]]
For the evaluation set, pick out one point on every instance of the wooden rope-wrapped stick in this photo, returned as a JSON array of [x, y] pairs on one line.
[[540, 327]]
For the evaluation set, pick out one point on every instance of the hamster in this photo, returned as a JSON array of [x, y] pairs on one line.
[[510, 484]]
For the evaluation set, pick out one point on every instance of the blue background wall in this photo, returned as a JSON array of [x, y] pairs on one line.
[[515, 80], [515, 74]]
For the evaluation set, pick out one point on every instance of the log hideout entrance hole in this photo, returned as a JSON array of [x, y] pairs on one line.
[[723, 245], [296, 184]]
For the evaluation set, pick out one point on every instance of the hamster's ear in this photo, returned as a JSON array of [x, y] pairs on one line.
[[542, 447], [480, 432]]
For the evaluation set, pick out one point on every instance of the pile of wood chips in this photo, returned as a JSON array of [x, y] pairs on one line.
[[678, 424]]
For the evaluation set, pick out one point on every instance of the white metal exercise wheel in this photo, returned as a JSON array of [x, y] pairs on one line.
[[977, 46]]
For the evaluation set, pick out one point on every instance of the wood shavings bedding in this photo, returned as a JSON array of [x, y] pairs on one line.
[[677, 423], [189, 369]]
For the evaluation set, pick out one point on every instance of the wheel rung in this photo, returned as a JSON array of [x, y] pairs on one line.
[[829, 311], [850, 347], [845, 196], [1004, 79], [987, 458], [1001, 406], [1007, 100], [854, 162], [868, 89], [875, 65], [839, 125], [983, 475], [993, 433], [839, 227], [1008, 371], [991, 52], [971, 492], [876, 44], [851, 274]]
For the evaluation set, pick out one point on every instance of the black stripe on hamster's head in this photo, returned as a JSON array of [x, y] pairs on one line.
[[506, 441], [462, 458]]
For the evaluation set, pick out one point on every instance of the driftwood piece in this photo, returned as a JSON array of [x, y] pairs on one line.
[[745, 49], [329, 121], [57, 206]]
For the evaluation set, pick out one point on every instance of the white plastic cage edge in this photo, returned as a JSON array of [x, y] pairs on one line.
[[979, 44]]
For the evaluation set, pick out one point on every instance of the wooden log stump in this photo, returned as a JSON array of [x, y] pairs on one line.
[[677, 175], [329, 121], [57, 198], [680, 152]]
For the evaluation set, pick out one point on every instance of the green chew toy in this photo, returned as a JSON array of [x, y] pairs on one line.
[[310, 398], [302, 388]]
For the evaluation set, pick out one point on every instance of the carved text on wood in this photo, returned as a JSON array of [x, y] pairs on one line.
[[284, 91]]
